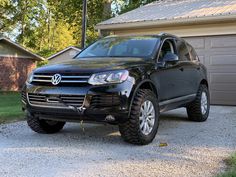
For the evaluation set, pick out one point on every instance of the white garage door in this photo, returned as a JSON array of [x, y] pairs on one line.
[[218, 54]]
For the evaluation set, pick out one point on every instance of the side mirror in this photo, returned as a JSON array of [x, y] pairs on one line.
[[170, 58]]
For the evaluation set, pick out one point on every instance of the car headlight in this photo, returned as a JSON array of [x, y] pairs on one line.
[[30, 78], [109, 77]]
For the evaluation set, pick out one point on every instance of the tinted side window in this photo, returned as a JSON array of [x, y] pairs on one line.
[[182, 51], [167, 47], [192, 52]]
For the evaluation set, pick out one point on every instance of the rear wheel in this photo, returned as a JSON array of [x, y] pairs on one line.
[[142, 125], [199, 109], [44, 126]]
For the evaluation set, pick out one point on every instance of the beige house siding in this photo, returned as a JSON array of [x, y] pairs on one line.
[[183, 30], [7, 49], [65, 56]]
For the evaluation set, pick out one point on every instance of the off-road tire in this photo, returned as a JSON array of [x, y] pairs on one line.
[[41, 125], [130, 130], [194, 108]]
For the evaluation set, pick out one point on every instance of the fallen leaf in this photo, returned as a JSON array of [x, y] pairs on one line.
[[163, 144]]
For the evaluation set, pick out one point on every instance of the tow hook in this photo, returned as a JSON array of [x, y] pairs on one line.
[[79, 110]]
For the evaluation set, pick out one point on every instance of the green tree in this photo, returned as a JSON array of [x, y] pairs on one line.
[[123, 6], [41, 29], [47, 26], [28, 14], [59, 37], [98, 10], [7, 16]]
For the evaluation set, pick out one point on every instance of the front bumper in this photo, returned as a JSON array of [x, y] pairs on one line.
[[99, 102]]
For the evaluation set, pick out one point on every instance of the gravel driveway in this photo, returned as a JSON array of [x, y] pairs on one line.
[[194, 149]]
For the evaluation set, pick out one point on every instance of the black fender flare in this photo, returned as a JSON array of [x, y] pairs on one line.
[[137, 88]]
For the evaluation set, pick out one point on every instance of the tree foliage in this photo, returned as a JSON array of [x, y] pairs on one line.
[[123, 6], [47, 26], [7, 16]]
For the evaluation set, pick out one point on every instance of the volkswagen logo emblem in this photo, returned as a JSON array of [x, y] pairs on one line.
[[56, 79]]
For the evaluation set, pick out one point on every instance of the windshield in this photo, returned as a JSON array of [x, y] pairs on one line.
[[143, 47]]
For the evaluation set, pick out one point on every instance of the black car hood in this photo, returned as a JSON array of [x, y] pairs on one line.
[[91, 65]]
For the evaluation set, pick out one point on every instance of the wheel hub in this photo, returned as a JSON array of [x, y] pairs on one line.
[[147, 117], [204, 103]]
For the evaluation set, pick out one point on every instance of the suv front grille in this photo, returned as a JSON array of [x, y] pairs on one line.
[[47, 100], [44, 78]]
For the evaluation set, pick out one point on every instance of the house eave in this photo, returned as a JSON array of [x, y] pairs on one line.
[[164, 22], [34, 56]]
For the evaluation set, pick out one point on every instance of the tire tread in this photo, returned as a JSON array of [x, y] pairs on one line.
[[194, 108], [130, 130]]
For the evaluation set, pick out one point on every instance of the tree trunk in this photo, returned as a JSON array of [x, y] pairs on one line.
[[49, 23]]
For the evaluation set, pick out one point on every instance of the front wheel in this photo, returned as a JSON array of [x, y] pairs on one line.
[[141, 128], [199, 109], [44, 126]]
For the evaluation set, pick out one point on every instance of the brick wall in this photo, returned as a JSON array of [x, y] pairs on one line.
[[13, 72]]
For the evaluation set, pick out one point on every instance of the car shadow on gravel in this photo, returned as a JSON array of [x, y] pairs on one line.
[[105, 133], [106, 130], [174, 117]]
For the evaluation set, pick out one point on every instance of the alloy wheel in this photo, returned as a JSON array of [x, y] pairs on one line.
[[147, 117], [204, 103]]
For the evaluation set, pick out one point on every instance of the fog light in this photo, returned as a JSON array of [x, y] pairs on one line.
[[110, 118]]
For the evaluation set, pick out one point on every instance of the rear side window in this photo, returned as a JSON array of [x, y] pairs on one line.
[[182, 51], [167, 47], [192, 52]]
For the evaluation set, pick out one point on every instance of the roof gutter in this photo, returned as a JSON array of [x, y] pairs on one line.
[[165, 22]]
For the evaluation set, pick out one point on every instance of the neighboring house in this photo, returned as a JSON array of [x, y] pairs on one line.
[[64, 55], [209, 25], [15, 64]]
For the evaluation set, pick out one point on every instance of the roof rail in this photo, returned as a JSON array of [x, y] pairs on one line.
[[166, 34], [162, 34]]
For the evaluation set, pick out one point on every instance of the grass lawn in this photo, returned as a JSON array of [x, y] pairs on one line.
[[10, 107], [231, 163]]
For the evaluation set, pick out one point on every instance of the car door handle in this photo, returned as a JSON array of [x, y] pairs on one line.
[[181, 69]]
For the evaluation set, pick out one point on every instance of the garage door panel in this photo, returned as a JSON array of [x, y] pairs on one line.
[[221, 70], [223, 78], [225, 60], [198, 43], [223, 41], [223, 87], [220, 51], [202, 59], [222, 97], [218, 54]]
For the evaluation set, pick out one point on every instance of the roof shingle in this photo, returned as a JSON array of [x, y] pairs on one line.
[[175, 9]]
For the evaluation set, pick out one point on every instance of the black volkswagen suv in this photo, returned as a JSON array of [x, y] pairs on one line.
[[123, 80]]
